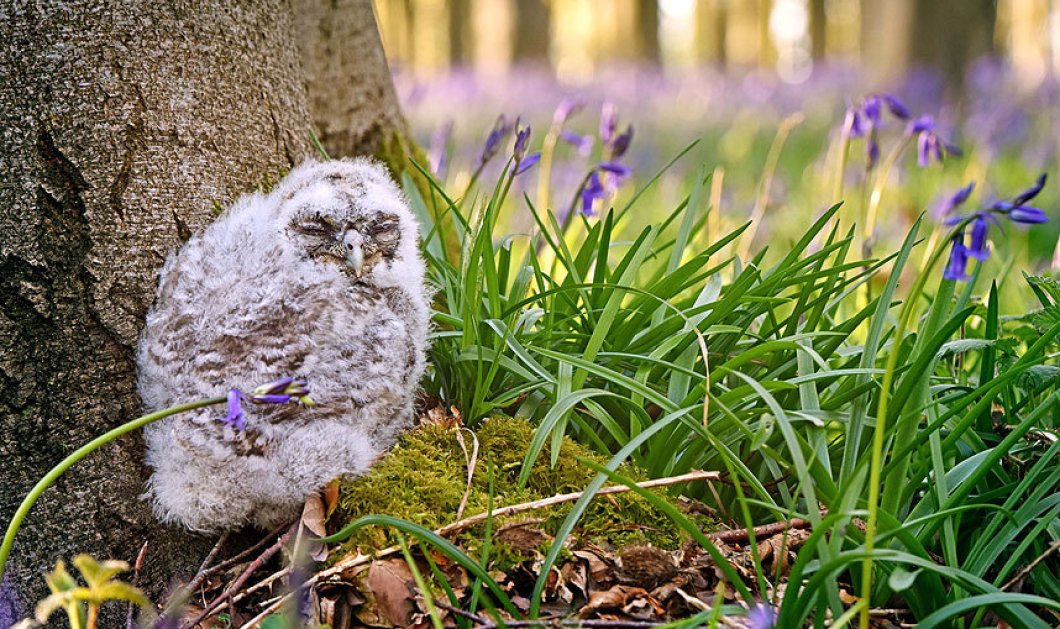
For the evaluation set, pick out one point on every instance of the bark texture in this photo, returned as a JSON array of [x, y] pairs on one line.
[[351, 95], [122, 126]]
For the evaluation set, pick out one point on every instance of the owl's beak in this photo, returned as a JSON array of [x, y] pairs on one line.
[[354, 252]]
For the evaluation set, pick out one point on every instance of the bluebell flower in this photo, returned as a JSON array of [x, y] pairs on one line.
[[761, 616], [958, 262], [235, 418], [952, 202], [1014, 210], [593, 190], [621, 143], [522, 142], [865, 119], [500, 130], [608, 122], [929, 146], [566, 108], [583, 143]]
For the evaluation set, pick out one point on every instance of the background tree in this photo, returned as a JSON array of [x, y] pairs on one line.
[[123, 126]]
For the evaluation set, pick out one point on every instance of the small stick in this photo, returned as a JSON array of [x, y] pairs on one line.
[[202, 572], [231, 561], [238, 583], [741, 535], [135, 582], [1026, 569]]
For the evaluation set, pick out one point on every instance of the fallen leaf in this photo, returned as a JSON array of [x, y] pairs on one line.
[[390, 583]]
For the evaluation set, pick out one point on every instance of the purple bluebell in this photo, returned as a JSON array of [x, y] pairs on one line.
[[493, 141], [566, 108], [235, 418], [761, 616], [856, 123], [438, 150], [979, 249], [608, 122], [522, 141], [282, 391], [615, 168], [958, 262], [527, 163], [929, 146], [1015, 210], [584, 143], [896, 107], [951, 203], [593, 190], [621, 143]]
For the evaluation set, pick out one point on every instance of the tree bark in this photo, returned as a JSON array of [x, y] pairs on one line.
[[949, 34], [351, 93], [531, 32], [123, 127], [646, 31]]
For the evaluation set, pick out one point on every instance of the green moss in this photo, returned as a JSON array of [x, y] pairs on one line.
[[424, 477]]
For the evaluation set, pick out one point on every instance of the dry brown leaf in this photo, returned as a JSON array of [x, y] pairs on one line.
[[391, 584], [613, 599], [330, 494]]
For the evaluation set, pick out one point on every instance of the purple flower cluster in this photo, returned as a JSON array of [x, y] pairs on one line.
[[521, 161], [282, 391], [1014, 209], [605, 178], [865, 119], [929, 146]]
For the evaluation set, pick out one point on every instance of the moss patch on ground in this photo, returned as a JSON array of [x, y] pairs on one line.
[[424, 477]]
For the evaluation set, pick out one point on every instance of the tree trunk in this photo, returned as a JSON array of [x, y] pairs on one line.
[[351, 94], [646, 31], [531, 32], [461, 34], [949, 34], [123, 125], [818, 29]]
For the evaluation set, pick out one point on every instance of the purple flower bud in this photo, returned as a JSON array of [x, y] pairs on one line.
[[871, 109], [761, 616], [856, 123], [608, 122], [271, 398], [958, 262], [979, 249], [621, 143], [1027, 215], [1031, 192], [567, 108], [923, 124], [584, 143], [957, 199], [235, 417], [522, 141], [493, 141], [438, 150], [872, 150], [527, 163], [275, 386], [592, 191], [897, 108], [620, 170]]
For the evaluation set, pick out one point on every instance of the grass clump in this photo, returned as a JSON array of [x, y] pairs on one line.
[[423, 479]]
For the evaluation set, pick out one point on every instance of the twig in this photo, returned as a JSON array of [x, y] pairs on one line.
[[231, 561], [238, 583], [204, 566], [359, 560], [1026, 569], [740, 535], [472, 462], [135, 582]]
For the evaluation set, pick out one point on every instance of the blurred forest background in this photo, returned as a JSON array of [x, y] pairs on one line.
[[575, 38]]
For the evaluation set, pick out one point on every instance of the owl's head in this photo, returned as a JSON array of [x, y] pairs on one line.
[[349, 215]]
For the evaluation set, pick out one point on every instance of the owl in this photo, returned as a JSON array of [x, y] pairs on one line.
[[321, 280]]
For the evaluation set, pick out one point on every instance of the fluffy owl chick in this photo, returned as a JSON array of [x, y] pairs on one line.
[[320, 279]]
